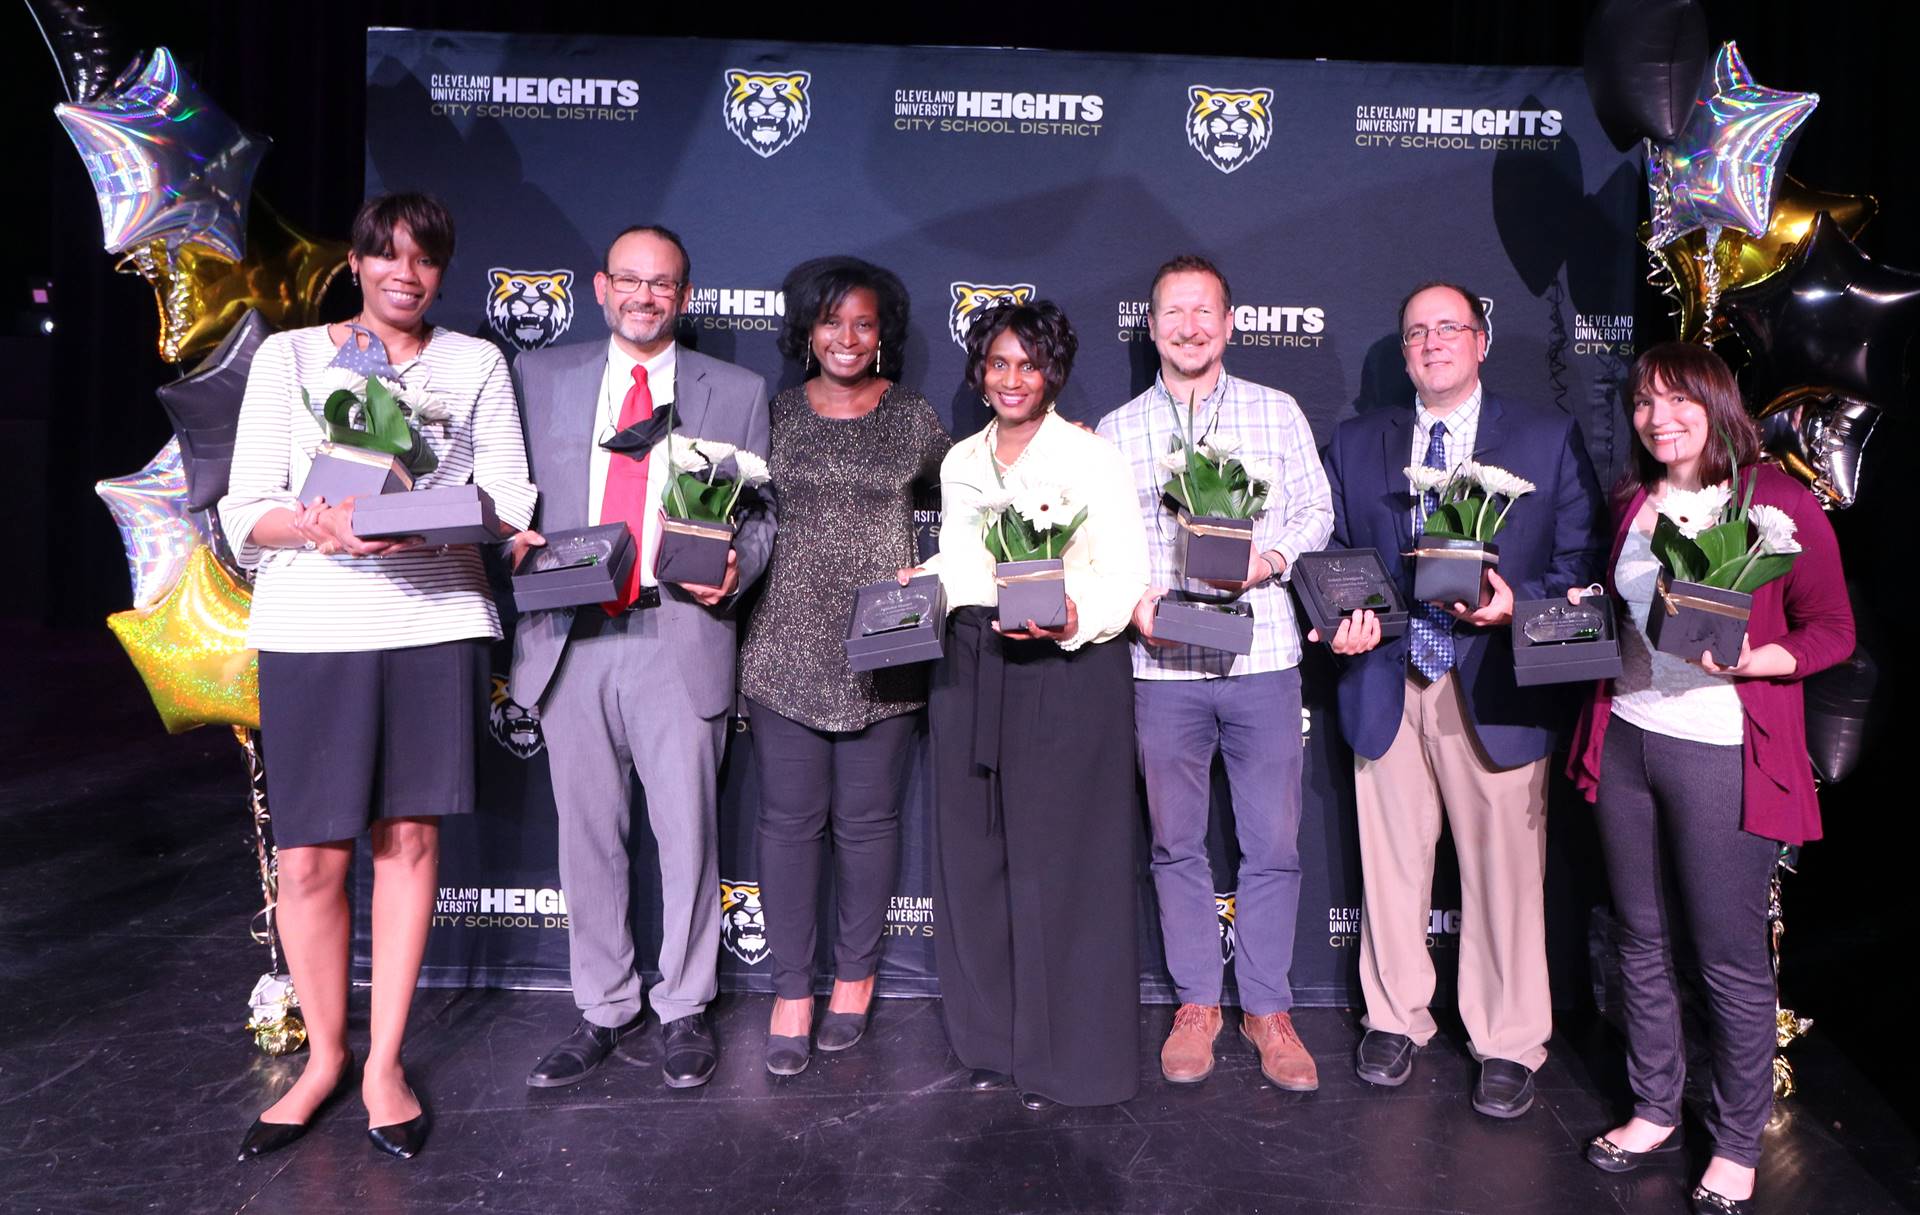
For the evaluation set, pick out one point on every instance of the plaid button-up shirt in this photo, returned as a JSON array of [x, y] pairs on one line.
[[1298, 517]]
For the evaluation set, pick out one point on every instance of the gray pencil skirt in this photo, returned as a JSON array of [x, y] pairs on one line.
[[353, 737]]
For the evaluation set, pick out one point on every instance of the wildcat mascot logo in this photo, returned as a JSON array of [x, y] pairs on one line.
[[971, 299], [1223, 906], [743, 925], [1229, 127], [513, 725], [530, 308], [767, 112]]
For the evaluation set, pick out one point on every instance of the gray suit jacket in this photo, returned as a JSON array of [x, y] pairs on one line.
[[559, 393]]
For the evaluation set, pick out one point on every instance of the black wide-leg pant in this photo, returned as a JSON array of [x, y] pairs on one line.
[[1036, 840]]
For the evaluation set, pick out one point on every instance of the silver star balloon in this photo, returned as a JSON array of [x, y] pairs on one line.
[[150, 509], [165, 161], [1724, 167]]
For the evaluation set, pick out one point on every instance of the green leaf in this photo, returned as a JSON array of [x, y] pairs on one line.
[[1724, 542], [1763, 570], [1450, 522], [1680, 556]]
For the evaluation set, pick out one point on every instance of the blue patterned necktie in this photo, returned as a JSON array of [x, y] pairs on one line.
[[1432, 626]]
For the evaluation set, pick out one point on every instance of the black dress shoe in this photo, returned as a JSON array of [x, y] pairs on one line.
[[402, 1140], [1384, 1058], [263, 1137], [1609, 1157], [838, 1030], [1711, 1202], [787, 1055], [1505, 1089], [1034, 1101], [688, 1055], [580, 1052], [982, 1079]]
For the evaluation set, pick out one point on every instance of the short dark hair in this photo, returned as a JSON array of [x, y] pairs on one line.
[[1044, 334], [1476, 307], [424, 215], [665, 234], [1191, 263], [815, 288], [1701, 375]]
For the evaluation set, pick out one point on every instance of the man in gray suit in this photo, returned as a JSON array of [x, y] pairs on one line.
[[644, 683]]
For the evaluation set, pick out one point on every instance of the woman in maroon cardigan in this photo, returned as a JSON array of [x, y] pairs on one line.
[[1703, 769]]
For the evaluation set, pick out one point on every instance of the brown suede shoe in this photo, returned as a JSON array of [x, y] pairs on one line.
[[1187, 1058], [1283, 1057]]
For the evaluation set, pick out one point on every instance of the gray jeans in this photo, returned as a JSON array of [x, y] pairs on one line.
[[1666, 803]]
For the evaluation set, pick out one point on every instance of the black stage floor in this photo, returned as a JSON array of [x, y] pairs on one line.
[[126, 1078]]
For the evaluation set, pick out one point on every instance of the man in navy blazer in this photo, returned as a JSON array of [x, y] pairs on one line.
[[1435, 720]]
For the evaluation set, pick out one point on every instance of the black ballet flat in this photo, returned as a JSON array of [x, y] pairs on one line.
[[839, 1031], [1609, 1157], [403, 1140], [264, 1137], [788, 1055], [1711, 1202], [1035, 1102], [984, 1079]]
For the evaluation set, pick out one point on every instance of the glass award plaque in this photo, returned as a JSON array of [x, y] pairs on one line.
[[1349, 584], [903, 607], [575, 551], [1565, 622]]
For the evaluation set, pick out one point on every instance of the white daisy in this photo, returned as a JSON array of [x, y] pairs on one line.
[[714, 450], [1695, 510], [1773, 529], [684, 454], [1174, 462], [1043, 506], [753, 470], [1424, 479], [1501, 482], [1220, 447]]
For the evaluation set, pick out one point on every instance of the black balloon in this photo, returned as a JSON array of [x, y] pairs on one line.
[[87, 50], [1644, 60], [1839, 714], [1834, 320], [204, 407]]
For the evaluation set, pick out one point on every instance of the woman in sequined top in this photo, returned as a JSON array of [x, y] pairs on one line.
[[831, 744]]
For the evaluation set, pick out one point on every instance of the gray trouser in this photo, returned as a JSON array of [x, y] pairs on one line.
[[1669, 802], [1253, 722], [617, 704]]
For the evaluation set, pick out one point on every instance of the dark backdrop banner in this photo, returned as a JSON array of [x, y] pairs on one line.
[[1323, 190]]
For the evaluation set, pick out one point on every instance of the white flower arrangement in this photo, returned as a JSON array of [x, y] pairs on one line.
[[1715, 539], [1467, 492], [1426, 480], [1775, 532], [1693, 511]]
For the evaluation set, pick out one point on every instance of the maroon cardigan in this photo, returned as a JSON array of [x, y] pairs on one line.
[[1807, 614]]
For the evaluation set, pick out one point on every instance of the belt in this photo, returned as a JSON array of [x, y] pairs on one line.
[[649, 597]]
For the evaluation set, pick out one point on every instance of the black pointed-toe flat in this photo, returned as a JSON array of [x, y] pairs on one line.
[[264, 1137]]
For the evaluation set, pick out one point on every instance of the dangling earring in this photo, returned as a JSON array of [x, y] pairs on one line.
[[806, 366], [355, 274], [876, 356]]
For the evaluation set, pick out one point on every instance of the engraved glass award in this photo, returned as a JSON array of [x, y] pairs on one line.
[[1566, 622], [902, 607]]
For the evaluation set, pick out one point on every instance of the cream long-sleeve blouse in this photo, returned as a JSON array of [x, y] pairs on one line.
[[1106, 562]]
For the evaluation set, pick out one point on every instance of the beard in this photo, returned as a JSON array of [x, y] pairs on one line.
[[642, 324]]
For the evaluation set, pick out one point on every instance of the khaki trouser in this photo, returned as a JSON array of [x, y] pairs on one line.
[[1498, 818]]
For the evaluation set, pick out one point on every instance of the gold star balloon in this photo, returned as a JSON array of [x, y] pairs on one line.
[[1694, 274], [202, 294], [191, 649]]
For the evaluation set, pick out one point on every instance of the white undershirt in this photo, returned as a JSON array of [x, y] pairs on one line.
[[614, 386], [1661, 693]]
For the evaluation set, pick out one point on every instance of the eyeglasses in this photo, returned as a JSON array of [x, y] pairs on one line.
[[627, 284], [1447, 331]]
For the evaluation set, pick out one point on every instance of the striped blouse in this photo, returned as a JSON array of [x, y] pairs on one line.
[[307, 602]]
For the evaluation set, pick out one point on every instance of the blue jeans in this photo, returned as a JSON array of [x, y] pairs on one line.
[[1253, 722]]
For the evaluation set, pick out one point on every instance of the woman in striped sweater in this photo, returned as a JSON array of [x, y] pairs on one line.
[[373, 654]]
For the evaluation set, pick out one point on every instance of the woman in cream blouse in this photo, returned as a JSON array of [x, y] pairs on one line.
[[1036, 825]]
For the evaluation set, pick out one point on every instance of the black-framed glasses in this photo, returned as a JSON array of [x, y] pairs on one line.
[[627, 284], [1447, 331]]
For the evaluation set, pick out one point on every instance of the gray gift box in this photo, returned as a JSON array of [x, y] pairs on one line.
[[585, 565], [1687, 618], [893, 625], [1210, 548], [1210, 623], [1032, 590], [1452, 571], [340, 472], [693, 552], [452, 514], [1335, 583], [1557, 642]]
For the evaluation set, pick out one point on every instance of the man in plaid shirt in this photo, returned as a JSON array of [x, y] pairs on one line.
[[1190, 702]]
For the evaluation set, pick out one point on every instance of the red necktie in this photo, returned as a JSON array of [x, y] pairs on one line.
[[625, 498]]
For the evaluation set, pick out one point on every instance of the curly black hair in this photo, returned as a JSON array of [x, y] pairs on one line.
[[424, 215], [1044, 333], [813, 289]]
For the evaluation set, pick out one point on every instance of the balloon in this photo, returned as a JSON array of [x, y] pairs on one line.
[[1741, 260], [201, 294], [1822, 439], [150, 509], [1644, 60], [1833, 319], [1838, 703], [165, 161], [1722, 168], [204, 407], [191, 649], [87, 53]]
